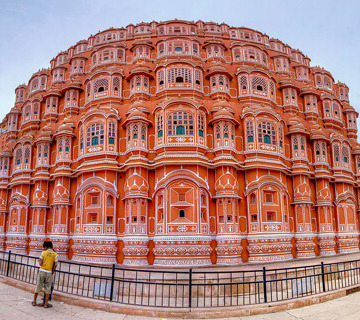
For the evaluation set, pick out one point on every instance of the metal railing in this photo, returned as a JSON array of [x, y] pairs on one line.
[[190, 288]]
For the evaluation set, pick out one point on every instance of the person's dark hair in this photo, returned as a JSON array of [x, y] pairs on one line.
[[47, 244]]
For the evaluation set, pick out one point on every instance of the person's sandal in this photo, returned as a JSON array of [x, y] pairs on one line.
[[33, 303], [48, 305]]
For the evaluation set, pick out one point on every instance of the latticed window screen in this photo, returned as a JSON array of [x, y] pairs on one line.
[[111, 132], [218, 131], [250, 131], [259, 84], [358, 162], [197, 77], [302, 143], [27, 155], [95, 134], [120, 54], [281, 136], [336, 153], [336, 109], [237, 55], [296, 143], [46, 150], [18, 156], [81, 138], [272, 89], [116, 84], [135, 131], [226, 130], [39, 151], [161, 77], [101, 85], [143, 132], [317, 148], [201, 125], [180, 123], [327, 82], [160, 126], [60, 145], [327, 107], [345, 155], [266, 133], [243, 83], [323, 147], [176, 73], [67, 144]]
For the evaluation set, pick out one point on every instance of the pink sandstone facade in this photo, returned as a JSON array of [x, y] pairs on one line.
[[180, 143]]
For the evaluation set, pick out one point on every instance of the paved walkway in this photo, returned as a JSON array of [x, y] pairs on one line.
[[15, 304]]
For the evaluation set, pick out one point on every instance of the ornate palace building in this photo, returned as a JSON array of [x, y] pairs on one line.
[[180, 143]]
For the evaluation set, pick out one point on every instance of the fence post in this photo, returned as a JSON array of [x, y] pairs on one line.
[[264, 284], [112, 282], [323, 275], [190, 287], [8, 264]]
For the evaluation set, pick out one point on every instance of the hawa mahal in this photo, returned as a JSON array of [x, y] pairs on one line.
[[180, 143]]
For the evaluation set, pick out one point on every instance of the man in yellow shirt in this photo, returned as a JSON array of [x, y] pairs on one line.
[[48, 263]]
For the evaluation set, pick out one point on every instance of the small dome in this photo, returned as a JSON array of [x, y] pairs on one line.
[[227, 183], [136, 183], [222, 104], [64, 128], [222, 113], [137, 114]]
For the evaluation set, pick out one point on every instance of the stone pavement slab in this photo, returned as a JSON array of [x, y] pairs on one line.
[[15, 304]]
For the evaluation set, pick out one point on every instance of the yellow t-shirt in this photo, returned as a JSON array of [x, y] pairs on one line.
[[49, 258]]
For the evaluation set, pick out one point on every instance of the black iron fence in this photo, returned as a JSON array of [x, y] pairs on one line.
[[191, 288]]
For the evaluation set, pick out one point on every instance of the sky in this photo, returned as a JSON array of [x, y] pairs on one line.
[[32, 32]]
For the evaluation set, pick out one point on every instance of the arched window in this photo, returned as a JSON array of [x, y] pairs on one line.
[[27, 155], [345, 155], [259, 84], [281, 136], [180, 123], [182, 213], [135, 131], [250, 131], [161, 77], [101, 85], [323, 148], [218, 130], [198, 77], [81, 138], [160, 126], [180, 130], [337, 153], [95, 134], [116, 84], [243, 83], [177, 75], [111, 132], [18, 156], [266, 133], [201, 125]]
